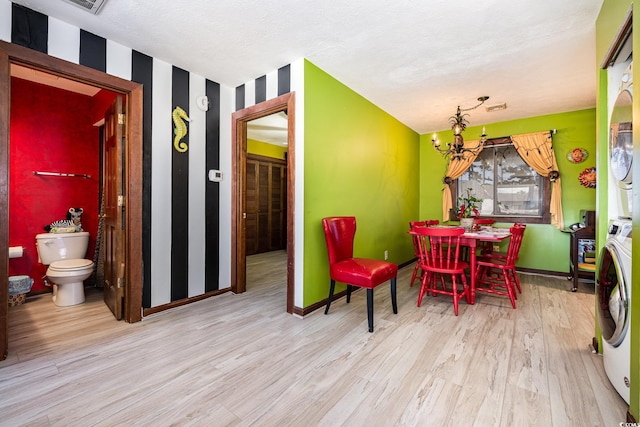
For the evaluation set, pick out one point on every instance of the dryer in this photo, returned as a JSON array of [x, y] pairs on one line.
[[613, 295], [621, 149]]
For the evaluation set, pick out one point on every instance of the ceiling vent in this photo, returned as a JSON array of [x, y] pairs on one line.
[[92, 6], [498, 107]]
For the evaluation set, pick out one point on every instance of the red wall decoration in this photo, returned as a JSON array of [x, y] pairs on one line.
[[52, 130]]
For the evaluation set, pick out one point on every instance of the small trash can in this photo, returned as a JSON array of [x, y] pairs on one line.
[[18, 288]]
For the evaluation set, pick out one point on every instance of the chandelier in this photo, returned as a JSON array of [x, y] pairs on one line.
[[459, 122]]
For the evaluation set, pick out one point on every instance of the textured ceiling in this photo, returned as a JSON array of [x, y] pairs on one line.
[[417, 60], [270, 129]]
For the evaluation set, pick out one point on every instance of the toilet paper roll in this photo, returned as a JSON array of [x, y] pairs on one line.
[[16, 251]]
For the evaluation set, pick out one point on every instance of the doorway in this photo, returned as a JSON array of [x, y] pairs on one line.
[[266, 199], [266, 184], [240, 119], [132, 200]]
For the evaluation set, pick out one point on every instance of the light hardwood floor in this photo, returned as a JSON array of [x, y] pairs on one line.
[[241, 360]]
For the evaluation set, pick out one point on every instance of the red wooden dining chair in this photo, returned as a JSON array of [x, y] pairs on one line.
[[417, 273], [503, 255], [365, 273], [477, 223], [496, 275], [439, 250]]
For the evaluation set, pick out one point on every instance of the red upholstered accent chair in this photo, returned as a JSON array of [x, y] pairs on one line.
[[497, 275], [412, 224], [440, 257], [366, 273]]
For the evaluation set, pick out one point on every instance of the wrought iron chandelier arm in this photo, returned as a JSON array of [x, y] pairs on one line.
[[482, 99]]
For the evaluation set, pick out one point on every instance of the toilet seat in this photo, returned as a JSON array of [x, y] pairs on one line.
[[67, 265]]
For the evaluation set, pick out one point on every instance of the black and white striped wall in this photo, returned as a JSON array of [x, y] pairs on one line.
[[186, 218], [269, 86]]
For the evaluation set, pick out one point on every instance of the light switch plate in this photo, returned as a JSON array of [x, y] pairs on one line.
[[215, 175]]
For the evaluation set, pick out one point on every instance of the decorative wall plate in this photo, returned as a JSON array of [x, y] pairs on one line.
[[588, 177], [577, 155]]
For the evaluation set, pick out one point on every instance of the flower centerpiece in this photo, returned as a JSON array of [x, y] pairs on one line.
[[468, 204]]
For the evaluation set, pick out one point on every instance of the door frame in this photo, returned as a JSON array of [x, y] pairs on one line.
[[12, 53], [239, 121]]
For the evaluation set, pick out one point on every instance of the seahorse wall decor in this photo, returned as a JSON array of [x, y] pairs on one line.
[[180, 129]]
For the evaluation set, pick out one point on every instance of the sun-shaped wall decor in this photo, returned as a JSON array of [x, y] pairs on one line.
[[588, 177], [577, 155]]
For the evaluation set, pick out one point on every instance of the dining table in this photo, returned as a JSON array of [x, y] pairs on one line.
[[470, 239]]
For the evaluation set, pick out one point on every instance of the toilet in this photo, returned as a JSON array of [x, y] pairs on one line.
[[64, 254]]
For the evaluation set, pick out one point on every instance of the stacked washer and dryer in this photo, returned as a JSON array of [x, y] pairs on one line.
[[613, 274]]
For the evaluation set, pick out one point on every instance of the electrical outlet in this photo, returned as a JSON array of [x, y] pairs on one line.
[[386, 255]]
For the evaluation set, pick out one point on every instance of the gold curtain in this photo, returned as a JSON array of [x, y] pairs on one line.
[[536, 149], [457, 166]]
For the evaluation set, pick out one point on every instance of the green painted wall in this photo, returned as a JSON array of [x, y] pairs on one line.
[[610, 19], [575, 129], [265, 149], [359, 161]]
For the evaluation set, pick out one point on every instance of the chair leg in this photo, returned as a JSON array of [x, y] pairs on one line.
[[370, 308], [415, 274], [516, 279], [394, 301], [454, 291], [511, 289], [331, 289], [349, 289], [466, 289], [480, 274], [423, 286]]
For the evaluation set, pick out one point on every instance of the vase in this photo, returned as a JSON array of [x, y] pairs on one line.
[[466, 223]]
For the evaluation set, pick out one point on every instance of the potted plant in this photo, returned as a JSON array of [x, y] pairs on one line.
[[468, 206]]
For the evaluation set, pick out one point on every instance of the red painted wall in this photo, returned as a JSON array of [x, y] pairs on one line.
[[52, 130]]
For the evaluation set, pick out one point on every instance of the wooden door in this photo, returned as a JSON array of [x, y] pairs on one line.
[[265, 204], [114, 208], [277, 207], [263, 217], [252, 207]]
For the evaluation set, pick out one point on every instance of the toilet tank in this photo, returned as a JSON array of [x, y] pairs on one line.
[[56, 246]]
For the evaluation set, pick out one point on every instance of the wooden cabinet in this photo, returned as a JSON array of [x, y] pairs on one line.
[[582, 255], [266, 202]]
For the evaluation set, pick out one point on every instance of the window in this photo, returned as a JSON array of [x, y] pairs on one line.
[[511, 190]]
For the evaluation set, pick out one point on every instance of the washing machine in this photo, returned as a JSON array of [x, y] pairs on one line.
[[613, 294]]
